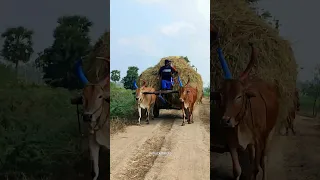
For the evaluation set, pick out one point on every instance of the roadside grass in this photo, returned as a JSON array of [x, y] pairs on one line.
[[122, 108]]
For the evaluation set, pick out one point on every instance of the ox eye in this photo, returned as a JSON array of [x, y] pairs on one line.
[[100, 96]]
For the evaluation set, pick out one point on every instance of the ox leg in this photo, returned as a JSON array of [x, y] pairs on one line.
[[263, 163], [251, 154], [287, 126], [152, 115], [189, 116], [191, 112], [183, 113], [148, 115], [256, 162], [94, 152], [235, 163], [292, 128], [184, 116], [264, 157], [139, 110]]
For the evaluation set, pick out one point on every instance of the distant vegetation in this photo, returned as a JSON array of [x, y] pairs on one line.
[[122, 107], [310, 94], [39, 135]]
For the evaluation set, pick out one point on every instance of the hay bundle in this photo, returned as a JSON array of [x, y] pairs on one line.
[[184, 69], [238, 24], [98, 62]]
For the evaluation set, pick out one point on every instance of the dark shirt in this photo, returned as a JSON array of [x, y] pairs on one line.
[[166, 72]]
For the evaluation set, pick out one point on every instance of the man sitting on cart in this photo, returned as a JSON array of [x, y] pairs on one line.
[[165, 74]]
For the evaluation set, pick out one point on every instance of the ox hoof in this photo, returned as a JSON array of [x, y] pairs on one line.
[[147, 122], [189, 122], [138, 124], [93, 174], [182, 124]]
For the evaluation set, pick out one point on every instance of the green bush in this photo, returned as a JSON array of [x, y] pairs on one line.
[[122, 103], [38, 130]]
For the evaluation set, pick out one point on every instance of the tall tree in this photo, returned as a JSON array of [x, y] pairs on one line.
[[115, 75], [312, 89], [17, 45], [132, 75], [71, 41]]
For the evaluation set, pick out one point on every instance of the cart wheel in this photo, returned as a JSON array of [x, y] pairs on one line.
[[156, 111]]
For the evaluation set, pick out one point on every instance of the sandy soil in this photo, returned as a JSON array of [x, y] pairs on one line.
[[291, 157], [164, 149]]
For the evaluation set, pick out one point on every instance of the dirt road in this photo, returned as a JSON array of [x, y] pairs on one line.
[[164, 149], [291, 158]]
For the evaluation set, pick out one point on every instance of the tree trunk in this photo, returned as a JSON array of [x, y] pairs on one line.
[[314, 106]]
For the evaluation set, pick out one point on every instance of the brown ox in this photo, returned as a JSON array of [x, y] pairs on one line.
[[292, 114], [188, 97], [145, 101], [201, 97], [250, 113], [96, 110]]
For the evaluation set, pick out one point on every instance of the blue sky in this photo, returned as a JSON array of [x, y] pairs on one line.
[[144, 31]]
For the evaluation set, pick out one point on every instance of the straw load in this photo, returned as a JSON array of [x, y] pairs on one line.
[[238, 25], [97, 65], [184, 69]]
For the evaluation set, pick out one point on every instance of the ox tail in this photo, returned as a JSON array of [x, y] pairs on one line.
[[252, 61]]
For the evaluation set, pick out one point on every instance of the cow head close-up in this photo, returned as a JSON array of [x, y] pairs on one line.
[[184, 92], [139, 91], [235, 94], [95, 100]]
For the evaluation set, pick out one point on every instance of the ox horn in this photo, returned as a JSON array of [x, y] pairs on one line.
[[80, 73], [188, 81], [253, 59], [135, 84]]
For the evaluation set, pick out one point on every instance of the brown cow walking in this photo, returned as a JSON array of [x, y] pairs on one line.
[[250, 113], [96, 110], [145, 101], [200, 99], [292, 114], [188, 97]]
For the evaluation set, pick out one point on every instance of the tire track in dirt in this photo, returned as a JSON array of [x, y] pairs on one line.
[[189, 158], [143, 158], [189, 146]]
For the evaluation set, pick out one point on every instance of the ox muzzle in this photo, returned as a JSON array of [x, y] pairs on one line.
[[227, 122], [87, 117]]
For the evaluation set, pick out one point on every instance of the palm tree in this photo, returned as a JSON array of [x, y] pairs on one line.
[[17, 45]]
